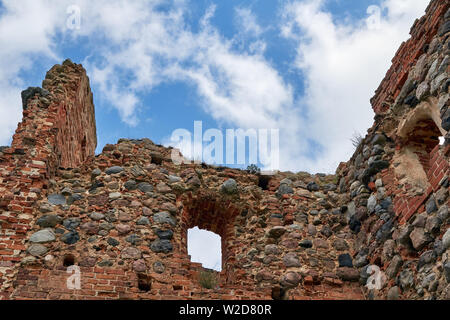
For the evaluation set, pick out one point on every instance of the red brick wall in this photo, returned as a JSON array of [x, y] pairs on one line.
[[56, 131], [406, 205], [422, 32]]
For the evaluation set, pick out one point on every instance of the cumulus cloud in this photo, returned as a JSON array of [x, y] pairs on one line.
[[25, 32], [235, 87], [342, 66]]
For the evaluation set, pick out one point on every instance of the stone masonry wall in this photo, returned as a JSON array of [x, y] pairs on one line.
[[398, 179], [122, 216]]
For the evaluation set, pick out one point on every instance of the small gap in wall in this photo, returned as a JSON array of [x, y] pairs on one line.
[[144, 282], [263, 181], [69, 260]]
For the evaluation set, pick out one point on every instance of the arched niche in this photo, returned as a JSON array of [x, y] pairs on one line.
[[418, 134]]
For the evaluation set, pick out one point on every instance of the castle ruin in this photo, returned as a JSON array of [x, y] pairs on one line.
[[122, 216]]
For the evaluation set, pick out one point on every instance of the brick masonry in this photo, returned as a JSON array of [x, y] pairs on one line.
[[122, 216]]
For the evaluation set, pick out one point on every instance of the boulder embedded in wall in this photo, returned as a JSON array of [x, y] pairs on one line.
[[290, 280], [419, 238], [446, 239], [43, 236], [230, 187], [348, 274]]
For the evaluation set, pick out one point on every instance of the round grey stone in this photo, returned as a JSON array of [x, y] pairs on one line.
[[115, 195], [312, 186], [114, 170], [56, 199], [106, 226], [131, 253], [305, 243], [96, 172], [37, 250], [345, 260], [340, 244], [130, 185], [71, 223], [372, 203], [431, 205], [174, 179], [96, 216], [43, 236], [70, 237], [284, 189], [164, 217], [48, 221], [159, 267], [145, 187], [446, 239], [164, 234], [271, 249], [113, 242], [134, 239], [230, 187], [164, 246], [143, 221], [286, 181], [291, 260]]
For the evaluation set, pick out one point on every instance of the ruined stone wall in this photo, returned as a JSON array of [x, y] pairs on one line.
[[123, 219], [122, 216], [398, 179]]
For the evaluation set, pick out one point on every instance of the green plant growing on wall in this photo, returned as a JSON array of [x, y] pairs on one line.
[[208, 279]]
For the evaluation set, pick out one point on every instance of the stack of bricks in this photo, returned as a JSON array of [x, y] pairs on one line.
[[47, 138]]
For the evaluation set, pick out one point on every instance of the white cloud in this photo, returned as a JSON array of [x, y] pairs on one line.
[[342, 66], [236, 87], [25, 31], [136, 46]]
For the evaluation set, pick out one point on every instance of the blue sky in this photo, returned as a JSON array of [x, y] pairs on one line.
[[305, 67]]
